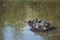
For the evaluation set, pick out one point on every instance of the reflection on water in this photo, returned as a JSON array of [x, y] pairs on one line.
[[28, 35], [8, 33], [12, 33], [24, 33]]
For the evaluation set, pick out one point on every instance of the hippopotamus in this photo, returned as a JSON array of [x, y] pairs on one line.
[[40, 25]]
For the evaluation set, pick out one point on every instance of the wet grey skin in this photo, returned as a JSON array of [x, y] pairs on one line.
[[41, 25]]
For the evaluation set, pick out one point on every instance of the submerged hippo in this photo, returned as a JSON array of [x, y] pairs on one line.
[[40, 25]]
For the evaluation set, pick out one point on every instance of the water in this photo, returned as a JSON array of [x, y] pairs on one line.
[[12, 22], [23, 32]]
